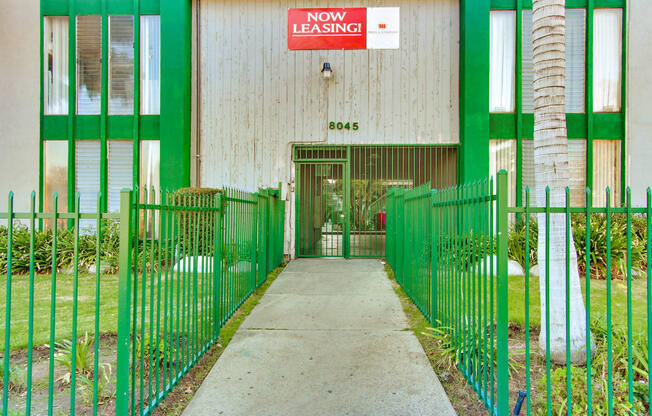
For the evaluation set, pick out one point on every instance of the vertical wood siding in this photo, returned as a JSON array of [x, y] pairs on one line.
[[258, 97]]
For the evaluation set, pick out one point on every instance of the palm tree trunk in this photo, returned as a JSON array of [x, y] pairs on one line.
[[551, 168]]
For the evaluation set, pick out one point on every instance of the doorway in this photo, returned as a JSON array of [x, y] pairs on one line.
[[341, 190]]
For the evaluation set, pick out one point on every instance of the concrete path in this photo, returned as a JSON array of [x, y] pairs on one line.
[[328, 338]]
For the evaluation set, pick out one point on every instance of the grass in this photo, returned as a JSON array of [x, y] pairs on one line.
[[108, 305], [64, 307], [516, 295]]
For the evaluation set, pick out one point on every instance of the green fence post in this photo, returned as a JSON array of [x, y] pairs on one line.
[[124, 306], [217, 266], [502, 398]]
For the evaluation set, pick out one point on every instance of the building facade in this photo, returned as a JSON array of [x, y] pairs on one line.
[[108, 94]]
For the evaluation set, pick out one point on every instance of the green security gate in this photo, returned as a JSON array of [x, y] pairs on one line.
[[321, 223], [341, 193]]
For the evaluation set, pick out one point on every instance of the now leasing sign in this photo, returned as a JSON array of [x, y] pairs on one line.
[[348, 28]]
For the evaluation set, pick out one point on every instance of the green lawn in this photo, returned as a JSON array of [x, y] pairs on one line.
[[64, 303], [598, 301], [86, 305]]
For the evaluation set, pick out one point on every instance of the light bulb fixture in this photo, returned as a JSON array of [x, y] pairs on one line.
[[326, 70]]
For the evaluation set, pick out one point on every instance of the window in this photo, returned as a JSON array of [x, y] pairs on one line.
[[575, 57], [55, 175], [121, 65], [502, 61], [150, 64], [121, 171], [150, 151], [55, 65], [87, 177], [527, 65], [607, 59], [575, 50], [576, 166], [502, 155], [606, 171], [89, 53]]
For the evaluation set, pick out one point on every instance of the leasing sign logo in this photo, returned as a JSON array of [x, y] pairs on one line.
[[344, 28]]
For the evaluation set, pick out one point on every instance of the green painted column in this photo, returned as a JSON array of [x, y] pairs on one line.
[[176, 54], [474, 89]]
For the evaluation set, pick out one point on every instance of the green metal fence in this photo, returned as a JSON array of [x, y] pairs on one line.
[[451, 256], [80, 338]]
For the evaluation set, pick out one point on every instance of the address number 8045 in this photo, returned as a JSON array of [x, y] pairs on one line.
[[340, 125]]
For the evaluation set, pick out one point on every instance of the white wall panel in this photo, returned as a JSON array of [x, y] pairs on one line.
[[257, 97]]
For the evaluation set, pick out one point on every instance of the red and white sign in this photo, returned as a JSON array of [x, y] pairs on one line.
[[327, 28], [345, 28]]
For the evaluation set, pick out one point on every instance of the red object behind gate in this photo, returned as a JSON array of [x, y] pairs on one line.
[[381, 220]]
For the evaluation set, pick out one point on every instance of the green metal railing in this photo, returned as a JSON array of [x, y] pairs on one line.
[[81, 338], [438, 243], [450, 250]]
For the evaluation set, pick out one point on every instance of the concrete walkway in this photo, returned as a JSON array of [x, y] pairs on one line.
[[328, 338]]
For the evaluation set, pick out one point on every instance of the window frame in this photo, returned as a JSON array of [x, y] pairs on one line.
[[588, 125], [73, 127]]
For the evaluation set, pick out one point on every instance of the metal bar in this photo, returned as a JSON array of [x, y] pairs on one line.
[[7, 357], [53, 298], [75, 300], [609, 327], [502, 293], [98, 251], [30, 334]]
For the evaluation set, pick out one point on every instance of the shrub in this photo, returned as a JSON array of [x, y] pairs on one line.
[[599, 379], [83, 356], [109, 248], [193, 243], [597, 244], [104, 392], [17, 377], [516, 242]]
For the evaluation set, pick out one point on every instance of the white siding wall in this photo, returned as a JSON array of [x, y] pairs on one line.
[[639, 95], [258, 98], [19, 101]]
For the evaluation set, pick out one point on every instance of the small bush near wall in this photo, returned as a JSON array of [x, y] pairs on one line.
[[597, 244], [200, 220]]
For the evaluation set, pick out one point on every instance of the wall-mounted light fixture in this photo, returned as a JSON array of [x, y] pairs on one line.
[[326, 70]]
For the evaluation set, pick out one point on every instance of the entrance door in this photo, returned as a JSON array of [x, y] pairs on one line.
[[321, 219], [340, 191]]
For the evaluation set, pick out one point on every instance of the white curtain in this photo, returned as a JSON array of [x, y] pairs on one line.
[[527, 65], [575, 56], [575, 49], [607, 59], [87, 178], [502, 61], [121, 171], [502, 155], [121, 65], [150, 151], [150, 61], [55, 51], [577, 171], [606, 171], [89, 54]]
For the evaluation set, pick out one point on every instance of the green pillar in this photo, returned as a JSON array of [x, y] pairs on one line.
[[474, 89], [176, 54]]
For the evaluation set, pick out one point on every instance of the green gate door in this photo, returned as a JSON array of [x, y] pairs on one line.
[[341, 189], [321, 219]]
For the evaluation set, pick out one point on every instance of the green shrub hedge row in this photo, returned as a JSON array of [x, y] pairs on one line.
[[597, 245]]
